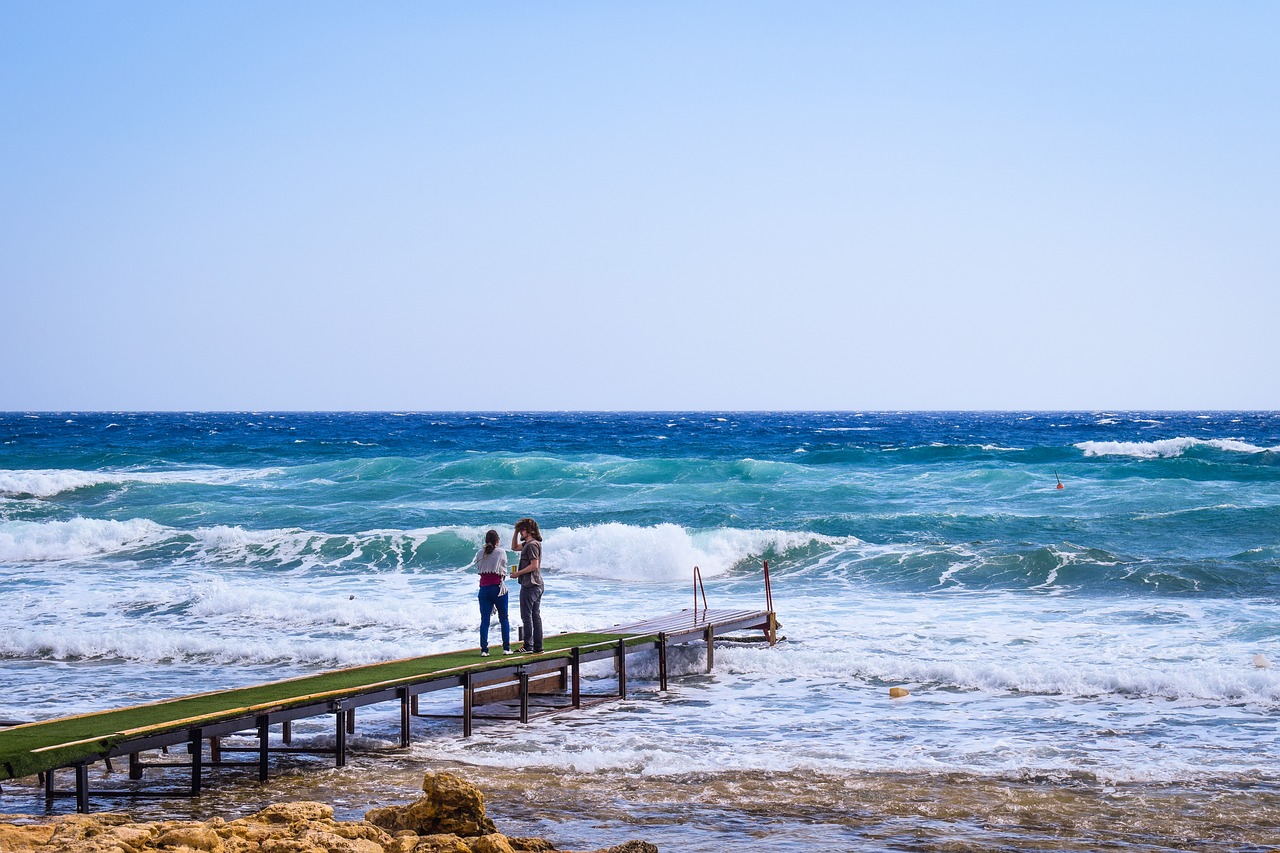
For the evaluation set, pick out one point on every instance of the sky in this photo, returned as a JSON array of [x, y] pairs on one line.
[[639, 206]]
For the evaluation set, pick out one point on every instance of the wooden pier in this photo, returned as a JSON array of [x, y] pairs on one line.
[[523, 685]]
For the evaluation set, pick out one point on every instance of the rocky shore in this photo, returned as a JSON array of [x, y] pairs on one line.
[[448, 818]]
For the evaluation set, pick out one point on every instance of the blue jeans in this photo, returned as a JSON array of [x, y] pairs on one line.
[[489, 599]]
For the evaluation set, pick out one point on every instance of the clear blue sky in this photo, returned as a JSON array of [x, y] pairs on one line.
[[649, 205]]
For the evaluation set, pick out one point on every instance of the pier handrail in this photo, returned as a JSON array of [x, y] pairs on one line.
[[768, 590], [697, 585]]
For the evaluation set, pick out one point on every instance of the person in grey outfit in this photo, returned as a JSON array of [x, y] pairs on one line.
[[528, 541]]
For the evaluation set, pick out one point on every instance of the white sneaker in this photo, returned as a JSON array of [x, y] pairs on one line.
[[508, 652], [484, 654]]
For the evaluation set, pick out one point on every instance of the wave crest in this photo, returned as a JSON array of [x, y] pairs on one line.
[[46, 483], [666, 552], [1167, 448]]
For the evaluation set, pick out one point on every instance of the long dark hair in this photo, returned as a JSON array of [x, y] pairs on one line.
[[530, 527], [490, 541]]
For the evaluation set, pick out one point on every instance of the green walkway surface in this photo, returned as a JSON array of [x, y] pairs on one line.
[[36, 747]]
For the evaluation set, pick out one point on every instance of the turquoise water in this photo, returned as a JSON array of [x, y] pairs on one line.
[[1095, 647]]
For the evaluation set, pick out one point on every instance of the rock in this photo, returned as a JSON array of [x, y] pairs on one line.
[[193, 838], [443, 843], [493, 843], [452, 806], [334, 842], [631, 847], [100, 833], [532, 845], [19, 839], [293, 813]]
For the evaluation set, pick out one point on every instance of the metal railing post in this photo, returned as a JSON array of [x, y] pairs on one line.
[[404, 717], [622, 669], [264, 734], [662, 661], [340, 723], [195, 745], [575, 669], [524, 696], [468, 703]]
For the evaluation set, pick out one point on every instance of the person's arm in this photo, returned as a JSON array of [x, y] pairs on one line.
[[533, 566]]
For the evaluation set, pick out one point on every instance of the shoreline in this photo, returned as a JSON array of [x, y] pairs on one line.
[[872, 811], [450, 817]]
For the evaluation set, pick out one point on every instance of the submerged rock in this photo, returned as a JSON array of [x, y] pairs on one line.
[[448, 818]]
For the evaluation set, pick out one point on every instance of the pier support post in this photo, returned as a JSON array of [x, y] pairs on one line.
[[351, 721], [575, 670], [524, 696], [195, 746], [622, 669], [48, 787], [404, 717], [286, 733], [135, 766], [711, 647], [662, 661], [264, 734], [468, 703], [82, 788], [340, 747]]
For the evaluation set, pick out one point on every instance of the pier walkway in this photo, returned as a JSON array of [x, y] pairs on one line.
[[548, 681]]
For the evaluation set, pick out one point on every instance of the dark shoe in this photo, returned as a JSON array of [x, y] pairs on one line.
[[524, 650]]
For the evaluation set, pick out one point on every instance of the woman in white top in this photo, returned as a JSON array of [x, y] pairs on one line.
[[491, 561]]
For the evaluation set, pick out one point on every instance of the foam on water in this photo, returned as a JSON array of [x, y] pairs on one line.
[[1168, 448], [49, 483], [665, 553], [79, 538]]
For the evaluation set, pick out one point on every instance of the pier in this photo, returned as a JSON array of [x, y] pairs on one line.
[[515, 687]]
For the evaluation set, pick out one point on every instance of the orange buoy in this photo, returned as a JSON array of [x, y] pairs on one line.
[[898, 692]]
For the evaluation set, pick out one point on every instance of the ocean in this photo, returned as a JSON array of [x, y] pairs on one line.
[[1096, 665]]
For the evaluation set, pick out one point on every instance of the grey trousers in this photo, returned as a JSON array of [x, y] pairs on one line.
[[531, 616]]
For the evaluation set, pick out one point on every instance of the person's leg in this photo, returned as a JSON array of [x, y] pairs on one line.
[[526, 616], [505, 621], [535, 613], [486, 609]]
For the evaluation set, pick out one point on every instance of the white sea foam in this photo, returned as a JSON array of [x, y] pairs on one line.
[[49, 482], [663, 552], [1167, 448], [29, 541]]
